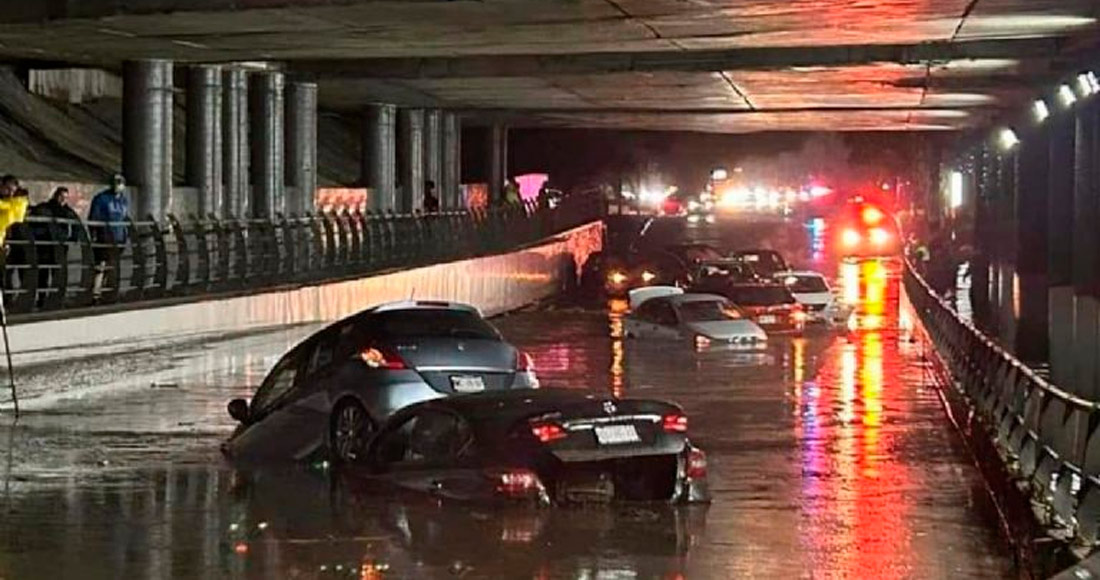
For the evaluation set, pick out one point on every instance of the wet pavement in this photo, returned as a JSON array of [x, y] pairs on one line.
[[830, 457]]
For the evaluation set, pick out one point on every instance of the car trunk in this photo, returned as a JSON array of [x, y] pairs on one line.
[[643, 478], [455, 365]]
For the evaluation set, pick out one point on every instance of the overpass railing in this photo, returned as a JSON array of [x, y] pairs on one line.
[[54, 264], [1049, 439]]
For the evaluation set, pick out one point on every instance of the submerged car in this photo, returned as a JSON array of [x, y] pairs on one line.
[[329, 393], [812, 291], [703, 319], [764, 262], [768, 304], [539, 447]]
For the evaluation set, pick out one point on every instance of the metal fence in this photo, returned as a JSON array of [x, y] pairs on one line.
[[1048, 438], [53, 264]]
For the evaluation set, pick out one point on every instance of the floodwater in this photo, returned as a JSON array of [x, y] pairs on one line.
[[830, 457]]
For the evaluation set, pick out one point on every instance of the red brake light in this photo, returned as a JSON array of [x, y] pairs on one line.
[[516, 482], [524, 362], [379, 357], [696, 464], [675, 423], [547, 432]]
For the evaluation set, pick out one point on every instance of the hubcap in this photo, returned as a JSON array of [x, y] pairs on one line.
[[349, 432]]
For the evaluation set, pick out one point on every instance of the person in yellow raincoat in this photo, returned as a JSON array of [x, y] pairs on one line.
[[13, 207]]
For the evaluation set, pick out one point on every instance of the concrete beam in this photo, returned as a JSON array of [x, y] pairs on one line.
[[679, 60]]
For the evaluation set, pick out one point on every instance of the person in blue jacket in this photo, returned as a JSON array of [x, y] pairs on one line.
[[111, 209]]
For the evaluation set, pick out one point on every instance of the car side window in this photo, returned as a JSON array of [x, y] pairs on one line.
[[664, 314], [277, 384], [327, 348], [646, 310], [429, 438]]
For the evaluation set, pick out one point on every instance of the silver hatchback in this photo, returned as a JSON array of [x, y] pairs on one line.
[[327, 395]]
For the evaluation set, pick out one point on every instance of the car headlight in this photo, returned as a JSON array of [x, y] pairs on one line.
[[879, 236], [616, 277], [648, 276], [701, 341], [850, 238]]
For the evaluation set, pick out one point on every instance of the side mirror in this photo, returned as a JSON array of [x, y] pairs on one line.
[[238, 409]]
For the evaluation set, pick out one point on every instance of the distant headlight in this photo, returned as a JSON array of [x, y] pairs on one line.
[[617, 277], [648, 276]]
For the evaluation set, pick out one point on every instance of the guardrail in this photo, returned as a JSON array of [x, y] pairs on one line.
[[53, 264], [1048, 438]]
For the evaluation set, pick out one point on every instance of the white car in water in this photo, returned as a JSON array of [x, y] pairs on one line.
[[812, 291], [665, 312]]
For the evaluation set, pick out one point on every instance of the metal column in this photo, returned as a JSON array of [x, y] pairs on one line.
[[235, 150], [379, 163], [147, 135], [497, 144], [451, 189], [411, 139], [1086, 274], [204, 136], [266, 112], [433, 148], [301, 143], [1060, 249], [1031, 194]]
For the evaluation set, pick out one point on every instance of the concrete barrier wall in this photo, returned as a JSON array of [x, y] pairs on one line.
[[495, 284]]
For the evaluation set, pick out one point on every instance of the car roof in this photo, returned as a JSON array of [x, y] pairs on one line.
[[700, 297], [424, 305], [806, 273]]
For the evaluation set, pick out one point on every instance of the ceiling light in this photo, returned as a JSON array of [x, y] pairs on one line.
[[1041, 110], [1067, 96], [1008, 139], [1084, 85]]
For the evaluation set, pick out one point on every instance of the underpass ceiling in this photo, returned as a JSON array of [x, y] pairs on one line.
[[745, 91]]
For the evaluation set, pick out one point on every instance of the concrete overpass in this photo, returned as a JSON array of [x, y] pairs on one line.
[[729, 67]]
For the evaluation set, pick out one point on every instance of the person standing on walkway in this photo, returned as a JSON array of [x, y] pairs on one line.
[[52, 236], [109, 212], [511, 192]]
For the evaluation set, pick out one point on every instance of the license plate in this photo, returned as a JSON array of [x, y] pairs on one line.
[[463, 384], [616, 434], [767, 319]]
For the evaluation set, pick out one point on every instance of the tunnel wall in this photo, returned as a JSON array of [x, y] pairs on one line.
[[495, 284]]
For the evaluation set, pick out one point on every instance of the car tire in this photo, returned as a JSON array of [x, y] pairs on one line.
[[350, 429]]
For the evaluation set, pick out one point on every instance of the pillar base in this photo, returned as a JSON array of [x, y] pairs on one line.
[[1086, 322]]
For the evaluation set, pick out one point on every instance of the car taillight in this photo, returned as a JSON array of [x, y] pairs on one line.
[[696, 464], [547, 432], [871, 215], [675, 423], [524, 362], [516, 483], [798, 315], [379, 357]]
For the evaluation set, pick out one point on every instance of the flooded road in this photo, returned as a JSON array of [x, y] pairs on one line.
[[830, 457]]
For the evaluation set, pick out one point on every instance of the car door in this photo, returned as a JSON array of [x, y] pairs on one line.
[[641, 324], [268, 414], [429, 451], [667, 324]]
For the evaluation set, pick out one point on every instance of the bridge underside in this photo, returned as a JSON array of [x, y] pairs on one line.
[[722, 65]]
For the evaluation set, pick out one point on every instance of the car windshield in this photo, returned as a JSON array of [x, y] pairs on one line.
[[433, 323], [767, 261], [760, 295], [708, 311], [806, 284]]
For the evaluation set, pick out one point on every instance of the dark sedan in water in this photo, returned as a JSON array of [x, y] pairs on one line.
[[540, 447], [329, 393]]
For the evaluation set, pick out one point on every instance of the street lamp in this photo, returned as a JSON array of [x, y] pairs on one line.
[[1041, 110], [1008, 139]]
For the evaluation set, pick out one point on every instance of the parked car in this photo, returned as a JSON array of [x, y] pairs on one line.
[[764, 262], [703, 319], [540, 447], [329, 393], [768, 304], [813, 292]]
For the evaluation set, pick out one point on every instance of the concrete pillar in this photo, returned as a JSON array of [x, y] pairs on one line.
[[265, 93], [451, 190], [1086, 273], [498, 161], [204, 136], [1060, 249], [452, 161], [235, 149], [1032, 181], [433, 148], [379, 162], [147, 135], [981, 276], [410, 136], [301, 146]]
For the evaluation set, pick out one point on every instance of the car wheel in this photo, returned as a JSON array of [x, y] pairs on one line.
[[351, 429]]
